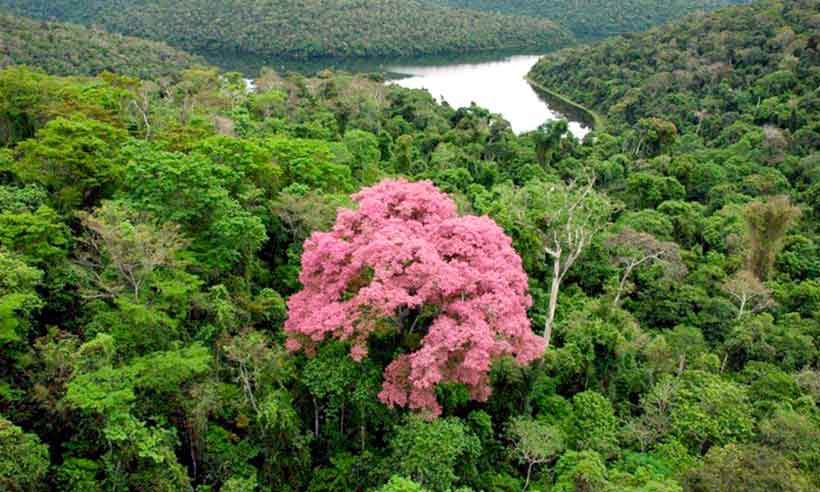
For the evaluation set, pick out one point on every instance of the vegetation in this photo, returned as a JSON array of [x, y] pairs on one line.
[[164, 250], [299, 29], [753, 65], [595, 19], [66, 49]]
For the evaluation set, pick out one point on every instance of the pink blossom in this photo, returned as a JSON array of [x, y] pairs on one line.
[[404, 248], [292, 345]]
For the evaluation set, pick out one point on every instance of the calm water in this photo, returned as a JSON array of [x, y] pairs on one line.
[[497, 85]]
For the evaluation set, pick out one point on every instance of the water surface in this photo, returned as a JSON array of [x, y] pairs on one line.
[[497, 85]]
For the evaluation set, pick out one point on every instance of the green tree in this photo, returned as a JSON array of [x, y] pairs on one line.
[[364, 146], [416, 441], [23, 459], [581, 471], [400, 484], [701, 409], [74, 159], [534, 443], [202, 196], [746, 467], [592, 425], [19, 300]]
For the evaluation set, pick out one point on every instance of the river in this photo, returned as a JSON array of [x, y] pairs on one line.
[[491, 80], [497, 85]]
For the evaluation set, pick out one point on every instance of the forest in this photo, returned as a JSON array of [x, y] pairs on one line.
[[596, 19], [68, 49], [305, 29], [333, 284]]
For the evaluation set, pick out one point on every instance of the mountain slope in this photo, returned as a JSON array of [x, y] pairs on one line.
[[68, 49], [756, 64], [303, 29], [591, 19]]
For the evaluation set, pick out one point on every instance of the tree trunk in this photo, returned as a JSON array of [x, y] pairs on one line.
[[342, 420], [742, 309], [361, 427], [527, 481], [316, 418], [556, 285], [638, 147], [622, 284]]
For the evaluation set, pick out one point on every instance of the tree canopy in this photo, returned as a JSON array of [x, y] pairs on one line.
[[595, 19], [68, 49], [301, 30]]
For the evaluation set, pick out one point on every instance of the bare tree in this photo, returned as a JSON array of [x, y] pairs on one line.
[[635, 249], [748, 292], [578, 214], [701, 117], [562, 219], [123, 248], [141, 104], [774, 145]]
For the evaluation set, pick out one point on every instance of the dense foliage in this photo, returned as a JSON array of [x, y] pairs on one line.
[[152, 236], [708, 75], [300, 29], [67, 49], [594, 19]]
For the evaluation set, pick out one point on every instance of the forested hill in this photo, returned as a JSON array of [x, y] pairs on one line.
[[302, 29], [591, 19], [68, 49], [710, 74]]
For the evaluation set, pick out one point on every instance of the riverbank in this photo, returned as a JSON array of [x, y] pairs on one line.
[[595, 119]]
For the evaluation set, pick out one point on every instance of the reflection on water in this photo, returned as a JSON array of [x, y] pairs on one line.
[[251, 65], [496, 85]]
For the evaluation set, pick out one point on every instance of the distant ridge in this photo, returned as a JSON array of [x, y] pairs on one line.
[[306, 28], [595, 19], [69, 49]]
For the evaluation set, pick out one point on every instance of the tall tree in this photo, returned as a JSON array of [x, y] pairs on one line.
[[404, 261], [766, 225]]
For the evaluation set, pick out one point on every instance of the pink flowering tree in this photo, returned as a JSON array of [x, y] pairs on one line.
[[404, 261]]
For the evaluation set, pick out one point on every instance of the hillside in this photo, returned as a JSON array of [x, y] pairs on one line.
[[68, 49], [304, 29], [754, 64], [593, 19]]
